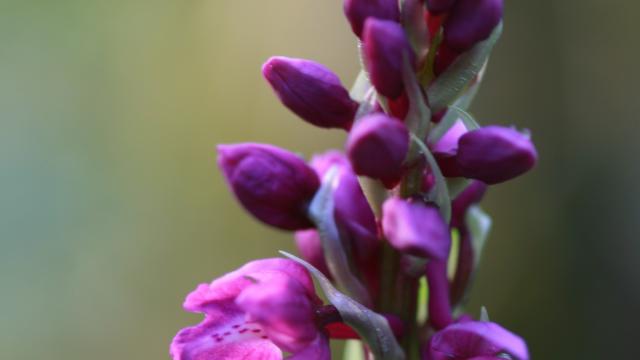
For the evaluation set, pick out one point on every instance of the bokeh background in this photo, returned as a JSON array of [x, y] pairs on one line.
[[112, 208]]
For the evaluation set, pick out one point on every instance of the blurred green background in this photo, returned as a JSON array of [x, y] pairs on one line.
[[112, 208]]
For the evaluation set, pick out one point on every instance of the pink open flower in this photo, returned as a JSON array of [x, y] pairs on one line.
[[259, 311]]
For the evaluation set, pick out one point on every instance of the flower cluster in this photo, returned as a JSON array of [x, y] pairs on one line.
[[385, 222]]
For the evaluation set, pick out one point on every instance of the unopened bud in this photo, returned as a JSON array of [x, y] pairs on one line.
[[377, 147], [311, 91], [358, 11], [273, 184], [415, 228], [471, 21], [385, 47], [495, 154]]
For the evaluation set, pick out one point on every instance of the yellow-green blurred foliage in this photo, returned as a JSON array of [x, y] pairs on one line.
[[112, 208]]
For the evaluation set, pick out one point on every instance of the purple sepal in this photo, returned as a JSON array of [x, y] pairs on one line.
[[495, 154], [377, 147], [358, 11], [446, 149], [415, 228], [273, 184], [385, 46], [477, 340], [311, 91], [471, 21], [437, 7]]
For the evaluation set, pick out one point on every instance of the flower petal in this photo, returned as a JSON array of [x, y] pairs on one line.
[[476, 339], [231, 339], [317, 350], [227, 332]]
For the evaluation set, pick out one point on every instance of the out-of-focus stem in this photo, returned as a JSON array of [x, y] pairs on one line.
[[409, 292], [464, 270], [439, 305], [388, 279]]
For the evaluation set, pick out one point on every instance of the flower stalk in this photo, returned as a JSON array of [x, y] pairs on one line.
[[373, 223]]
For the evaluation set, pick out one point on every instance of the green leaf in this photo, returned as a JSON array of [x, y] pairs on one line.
[[418, 116], [484, 314], [465, 100], [453, 114], [452, 262], [360, 87], [367, 105], [412, 16], [467, 119], [457, 185], [372, 327], [423, 300], [353, 350], [418, 120], [451, 84], [440, 192], [479, 224], [321, 212]]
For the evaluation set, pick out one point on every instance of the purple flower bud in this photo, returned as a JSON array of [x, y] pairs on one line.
[[273, 184], [357, 12], [439, 6], [470, 22], [495, 154], [377, 147], [311, 91], [309, 245], [415, 228], [446, 149], [385, 46], [477, 340]]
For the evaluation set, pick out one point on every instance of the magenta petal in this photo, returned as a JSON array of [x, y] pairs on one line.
[[317, 350], [448, 143], [476, 339], [227, 332], [282, 306], [206, 297], [211, 340], [415, 228]]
